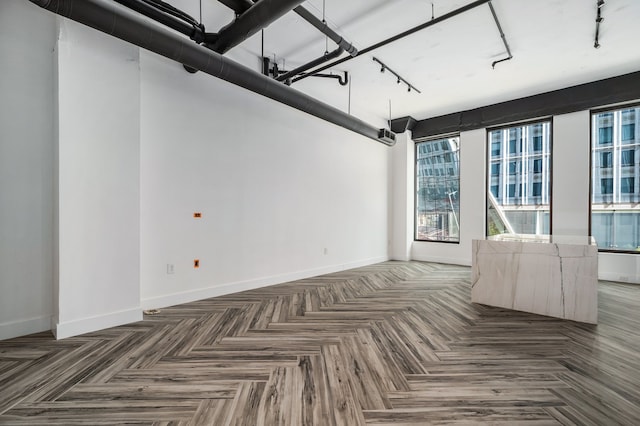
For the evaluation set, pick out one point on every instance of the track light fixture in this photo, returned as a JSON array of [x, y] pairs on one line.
[[599, 19], [398, 77]]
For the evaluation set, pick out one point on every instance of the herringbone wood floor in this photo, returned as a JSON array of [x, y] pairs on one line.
[[393, 343]]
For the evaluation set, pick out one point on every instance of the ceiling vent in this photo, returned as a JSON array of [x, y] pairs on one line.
[[387, 136]]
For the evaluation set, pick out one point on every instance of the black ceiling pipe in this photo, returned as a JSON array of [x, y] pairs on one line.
[[314, 63], [193, 31], [324, 28], [238, 6], [241, 6], [120, 22], [403, 34], [258, 17]]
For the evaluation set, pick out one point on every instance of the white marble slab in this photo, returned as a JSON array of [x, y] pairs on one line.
[[548, 275]]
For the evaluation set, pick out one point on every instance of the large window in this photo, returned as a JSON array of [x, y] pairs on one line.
[[615, 196], [438, 190], [518, 200]]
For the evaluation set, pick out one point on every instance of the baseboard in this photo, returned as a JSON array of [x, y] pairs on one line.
[[238, 286], [100, 322], [617, 277], [447, 260], [9, 330]]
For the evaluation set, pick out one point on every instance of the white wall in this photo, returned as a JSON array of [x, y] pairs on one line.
[[275, 186], [26, 168], [98, 181], [571, 171], [403, 199], [92, 146]]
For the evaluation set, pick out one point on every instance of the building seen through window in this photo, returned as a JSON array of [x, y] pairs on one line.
[[438, 190], [615, 174], [519, 187]]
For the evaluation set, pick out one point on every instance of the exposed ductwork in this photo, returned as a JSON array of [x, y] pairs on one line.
[[257, 17], [321, 60], [324, 28], [241, 6], [120, 22], [238, 6], [396, 37], [177, 20]]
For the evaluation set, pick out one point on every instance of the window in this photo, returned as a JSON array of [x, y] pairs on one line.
[[536, 189], [438, 197], [537, 143], [627, 158], [615, 201], [513, 167], [522, 205], [606, 186], [627, 185], [605, 135], [628, 131], [537, 165], [495, 149]]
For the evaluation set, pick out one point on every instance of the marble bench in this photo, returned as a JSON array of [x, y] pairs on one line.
[[542, 274]]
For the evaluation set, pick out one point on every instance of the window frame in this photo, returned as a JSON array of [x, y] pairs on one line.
[[489, 157], [592, 143], [417, 143]]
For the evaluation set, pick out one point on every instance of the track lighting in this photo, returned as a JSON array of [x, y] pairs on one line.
[[599, 19], [399, 80]]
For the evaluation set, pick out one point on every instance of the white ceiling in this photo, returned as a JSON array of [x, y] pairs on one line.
[[450, 62]]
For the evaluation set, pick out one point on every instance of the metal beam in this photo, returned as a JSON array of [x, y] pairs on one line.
[[256, 18], [123, 23]]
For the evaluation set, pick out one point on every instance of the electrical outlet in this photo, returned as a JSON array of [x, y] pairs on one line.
[[196, 263], [325, 251], [197, 215], [170, 268]]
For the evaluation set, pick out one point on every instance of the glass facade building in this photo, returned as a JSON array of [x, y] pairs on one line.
[[519, 179], [615, 178], [438, 190]]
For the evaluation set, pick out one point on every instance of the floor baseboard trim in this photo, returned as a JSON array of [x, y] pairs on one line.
[[446, 260], [9, 330], [238, 286], [617, 277], [100, 322]]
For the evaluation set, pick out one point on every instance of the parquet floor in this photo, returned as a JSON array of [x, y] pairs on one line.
[[396, 343]]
